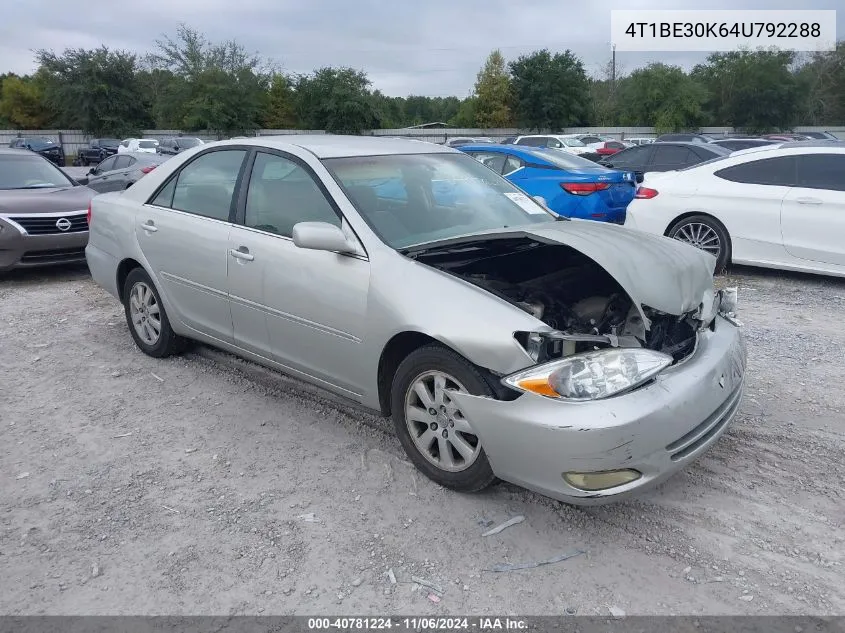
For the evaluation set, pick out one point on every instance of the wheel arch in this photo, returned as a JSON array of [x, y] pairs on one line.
[[123, 269], [401, 345]]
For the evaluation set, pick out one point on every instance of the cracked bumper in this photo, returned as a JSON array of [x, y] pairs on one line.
[[656, 430]]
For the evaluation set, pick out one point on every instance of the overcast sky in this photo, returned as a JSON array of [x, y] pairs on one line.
[[429, 47]]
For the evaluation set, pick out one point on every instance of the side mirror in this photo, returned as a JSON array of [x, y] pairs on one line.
[[321, 236], [639, 176], [81, 181], [541, 201], [92, 171], [608, 165]]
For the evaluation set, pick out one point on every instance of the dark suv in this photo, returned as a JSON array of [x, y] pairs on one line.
[[98, 150], [177, 144], [47, 147]]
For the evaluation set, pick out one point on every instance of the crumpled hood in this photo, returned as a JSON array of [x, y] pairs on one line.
[[655, 271]]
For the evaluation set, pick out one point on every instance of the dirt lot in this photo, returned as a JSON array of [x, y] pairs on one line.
[[135, 486]]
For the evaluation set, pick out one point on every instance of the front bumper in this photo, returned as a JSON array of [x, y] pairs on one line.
[[20, 250], [656, 430]]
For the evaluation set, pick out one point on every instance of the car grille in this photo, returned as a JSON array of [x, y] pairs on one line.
[[53, 256], [35, 225], [705, 431]]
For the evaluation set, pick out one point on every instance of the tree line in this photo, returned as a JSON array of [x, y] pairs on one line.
[[192, 84]]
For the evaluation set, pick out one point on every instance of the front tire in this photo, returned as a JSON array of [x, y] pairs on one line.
[[436, 436], [706, 233], [146, 317]]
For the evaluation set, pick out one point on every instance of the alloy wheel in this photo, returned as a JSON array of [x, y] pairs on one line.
[[439, 430], [145, 313], [701, 236]]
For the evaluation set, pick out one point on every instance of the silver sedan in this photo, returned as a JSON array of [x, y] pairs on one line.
[[582, 360]]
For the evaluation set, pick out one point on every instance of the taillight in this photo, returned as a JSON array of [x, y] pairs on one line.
[[584, 188], [148, 169], [88, 217], [644, 193]]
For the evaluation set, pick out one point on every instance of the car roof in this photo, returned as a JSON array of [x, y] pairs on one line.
[[691, 145], [786, 145], [342, 146], [526, 151]]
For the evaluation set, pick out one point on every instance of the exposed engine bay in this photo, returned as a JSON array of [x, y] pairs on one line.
[[583, 304]]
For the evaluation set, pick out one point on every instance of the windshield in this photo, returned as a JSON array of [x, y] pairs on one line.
[[572, 142], [30, 172], [417, 198], [109, 142], [565, 160], [188, 142], [147, 144]]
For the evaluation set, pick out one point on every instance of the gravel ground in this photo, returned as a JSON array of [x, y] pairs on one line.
[[188, 486]]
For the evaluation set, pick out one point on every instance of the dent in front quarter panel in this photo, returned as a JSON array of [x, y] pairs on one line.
[[409, 296]]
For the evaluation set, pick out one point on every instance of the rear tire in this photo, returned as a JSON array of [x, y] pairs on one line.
[[442, 445], [706, 233], [146, 317]]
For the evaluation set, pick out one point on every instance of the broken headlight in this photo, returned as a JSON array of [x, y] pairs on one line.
[[591, 375]]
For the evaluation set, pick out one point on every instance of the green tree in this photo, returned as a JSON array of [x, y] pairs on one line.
[[822, 80], [661, 96], [465, 117], [217, 87], [281, 104], [22, 102], [93, 90], [550, 92], [493, 93], [752, 90], [337, 100]]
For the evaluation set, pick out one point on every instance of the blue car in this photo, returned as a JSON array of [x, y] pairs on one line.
[[572, 186]]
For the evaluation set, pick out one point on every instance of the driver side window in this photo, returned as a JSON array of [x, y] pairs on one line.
[[282, 193]]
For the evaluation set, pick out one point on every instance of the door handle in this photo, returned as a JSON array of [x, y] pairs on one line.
[[808, 201], [241, 253], [149, 226]]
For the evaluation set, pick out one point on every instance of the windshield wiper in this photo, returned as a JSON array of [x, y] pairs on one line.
[[43, 185]]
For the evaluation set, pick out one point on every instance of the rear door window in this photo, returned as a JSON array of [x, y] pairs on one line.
[[205, 186], [108, 164], [778, 171], [821, 171], [633, 157], [672, 155]]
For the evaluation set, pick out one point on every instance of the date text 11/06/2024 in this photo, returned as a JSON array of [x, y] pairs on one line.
[[417, 624]]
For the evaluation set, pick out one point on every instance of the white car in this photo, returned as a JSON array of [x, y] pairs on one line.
[[639, 140], [143, 145], [555, 141], [780, 206]]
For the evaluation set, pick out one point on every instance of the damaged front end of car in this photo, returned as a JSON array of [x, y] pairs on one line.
[[599, 339]]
